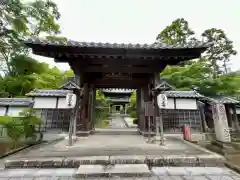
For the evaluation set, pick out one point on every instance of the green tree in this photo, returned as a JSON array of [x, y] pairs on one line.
[[220, 51], [177, 33], [18, 19]]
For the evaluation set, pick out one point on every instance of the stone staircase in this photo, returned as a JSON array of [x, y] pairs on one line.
[[113, 166], [116, 131]]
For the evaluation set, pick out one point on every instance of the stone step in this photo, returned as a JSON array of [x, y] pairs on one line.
[[118, 170], [117, 131], [149, 160]]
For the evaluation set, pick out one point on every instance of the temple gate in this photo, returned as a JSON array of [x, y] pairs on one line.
[[104, 65]]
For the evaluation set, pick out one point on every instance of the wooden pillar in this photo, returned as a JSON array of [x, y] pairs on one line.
[[156, 108], [84, 126], [146, 98], [138, 108], [93, 107], [229, 116], [203, 116], [235, 118], [90, 106], [142, 115]]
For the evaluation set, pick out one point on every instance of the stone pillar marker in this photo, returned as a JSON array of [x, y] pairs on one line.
[[221, 123]]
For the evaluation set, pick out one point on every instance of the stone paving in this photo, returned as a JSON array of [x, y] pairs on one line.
[[117, 149], [166, 173], [106, 145], [117, 122]]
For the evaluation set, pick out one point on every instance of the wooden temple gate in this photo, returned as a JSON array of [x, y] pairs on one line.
[[104, 65]]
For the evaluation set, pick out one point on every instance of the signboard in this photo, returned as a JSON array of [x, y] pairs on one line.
[[148, 107], [162, 101], [71, 100]]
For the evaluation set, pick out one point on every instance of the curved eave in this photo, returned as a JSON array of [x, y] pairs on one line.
[[61, 52]]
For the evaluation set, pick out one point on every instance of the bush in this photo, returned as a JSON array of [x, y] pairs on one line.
[[133, 114], [18, 127]]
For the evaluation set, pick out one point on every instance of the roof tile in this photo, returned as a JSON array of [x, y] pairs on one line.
[[157, 45], [15, 102], [49, 93]]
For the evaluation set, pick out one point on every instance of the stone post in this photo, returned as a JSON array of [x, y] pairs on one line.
[[220, 123]]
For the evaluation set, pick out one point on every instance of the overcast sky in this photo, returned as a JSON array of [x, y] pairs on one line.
[[139, 21]]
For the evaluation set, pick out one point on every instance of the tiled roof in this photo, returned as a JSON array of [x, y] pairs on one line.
[[221, 99], [72, 43], [183, 94], [15, 102], [70, 85], [119, 100], [164, 86], [113, 90], [49, 93]]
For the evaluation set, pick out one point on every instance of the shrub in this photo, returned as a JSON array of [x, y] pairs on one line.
[[23, 126]]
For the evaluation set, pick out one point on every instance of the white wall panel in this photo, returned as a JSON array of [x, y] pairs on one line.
[[182, 103], [2, 111], [45, 102]]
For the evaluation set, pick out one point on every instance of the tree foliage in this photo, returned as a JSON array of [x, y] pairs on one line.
[[207, 72]]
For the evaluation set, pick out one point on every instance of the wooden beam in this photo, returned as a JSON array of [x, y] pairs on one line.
[[120, 69]]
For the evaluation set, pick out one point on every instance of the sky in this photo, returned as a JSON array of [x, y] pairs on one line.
[[140, 21]]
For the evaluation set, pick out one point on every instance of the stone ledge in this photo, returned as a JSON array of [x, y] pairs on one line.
[[34, 163], [118, 170], [85, 160], [83, 133], [137, 159], [150, 160]]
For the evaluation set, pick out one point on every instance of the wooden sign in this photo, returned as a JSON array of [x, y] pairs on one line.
[[148, 108]]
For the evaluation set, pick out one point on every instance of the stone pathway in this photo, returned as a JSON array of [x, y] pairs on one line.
[[117, 122], [109, 145], [158, 173]]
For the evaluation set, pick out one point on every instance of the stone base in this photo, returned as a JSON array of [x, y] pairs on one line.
[[145, 134], [83, 133]]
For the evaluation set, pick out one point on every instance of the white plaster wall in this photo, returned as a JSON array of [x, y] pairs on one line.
[[238, 110], [14, 111], [2, 111], [182, 103], [62, 103], [170, 103], [45, 102]]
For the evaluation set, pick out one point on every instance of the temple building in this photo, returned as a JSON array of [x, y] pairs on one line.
[[118, 98]]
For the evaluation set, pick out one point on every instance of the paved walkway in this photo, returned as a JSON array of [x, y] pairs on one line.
[[118, 145], [117, 122]]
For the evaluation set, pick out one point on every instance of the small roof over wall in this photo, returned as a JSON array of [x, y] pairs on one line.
[[183, 94], [164, 85], [220, 99], [16, 102], [117, 91], [48, 93], [69, 85]]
